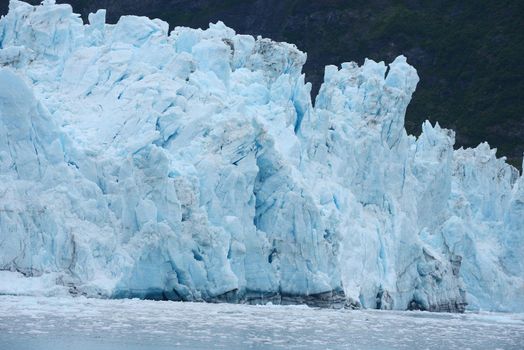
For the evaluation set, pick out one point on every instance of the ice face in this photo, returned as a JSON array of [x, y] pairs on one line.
[[194, 166]]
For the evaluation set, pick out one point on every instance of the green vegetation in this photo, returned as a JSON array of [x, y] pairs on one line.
[[468, 55]]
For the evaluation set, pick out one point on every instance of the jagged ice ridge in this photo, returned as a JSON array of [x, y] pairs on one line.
[[194, 166]]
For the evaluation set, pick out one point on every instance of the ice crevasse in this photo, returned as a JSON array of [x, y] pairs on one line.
[[193, 165]]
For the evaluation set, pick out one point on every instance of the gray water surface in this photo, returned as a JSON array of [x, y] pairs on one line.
[[81, 324]]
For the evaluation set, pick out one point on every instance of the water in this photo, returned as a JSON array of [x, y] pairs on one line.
[[81, 324]]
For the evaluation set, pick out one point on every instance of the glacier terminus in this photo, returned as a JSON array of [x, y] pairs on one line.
[[193, 165]]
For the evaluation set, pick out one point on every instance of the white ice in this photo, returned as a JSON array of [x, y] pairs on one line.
[[193, 165]]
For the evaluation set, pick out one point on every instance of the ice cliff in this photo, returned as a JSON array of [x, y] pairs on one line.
[[194, 166]]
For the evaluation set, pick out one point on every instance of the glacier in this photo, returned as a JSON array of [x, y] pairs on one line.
[[194, 165]]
